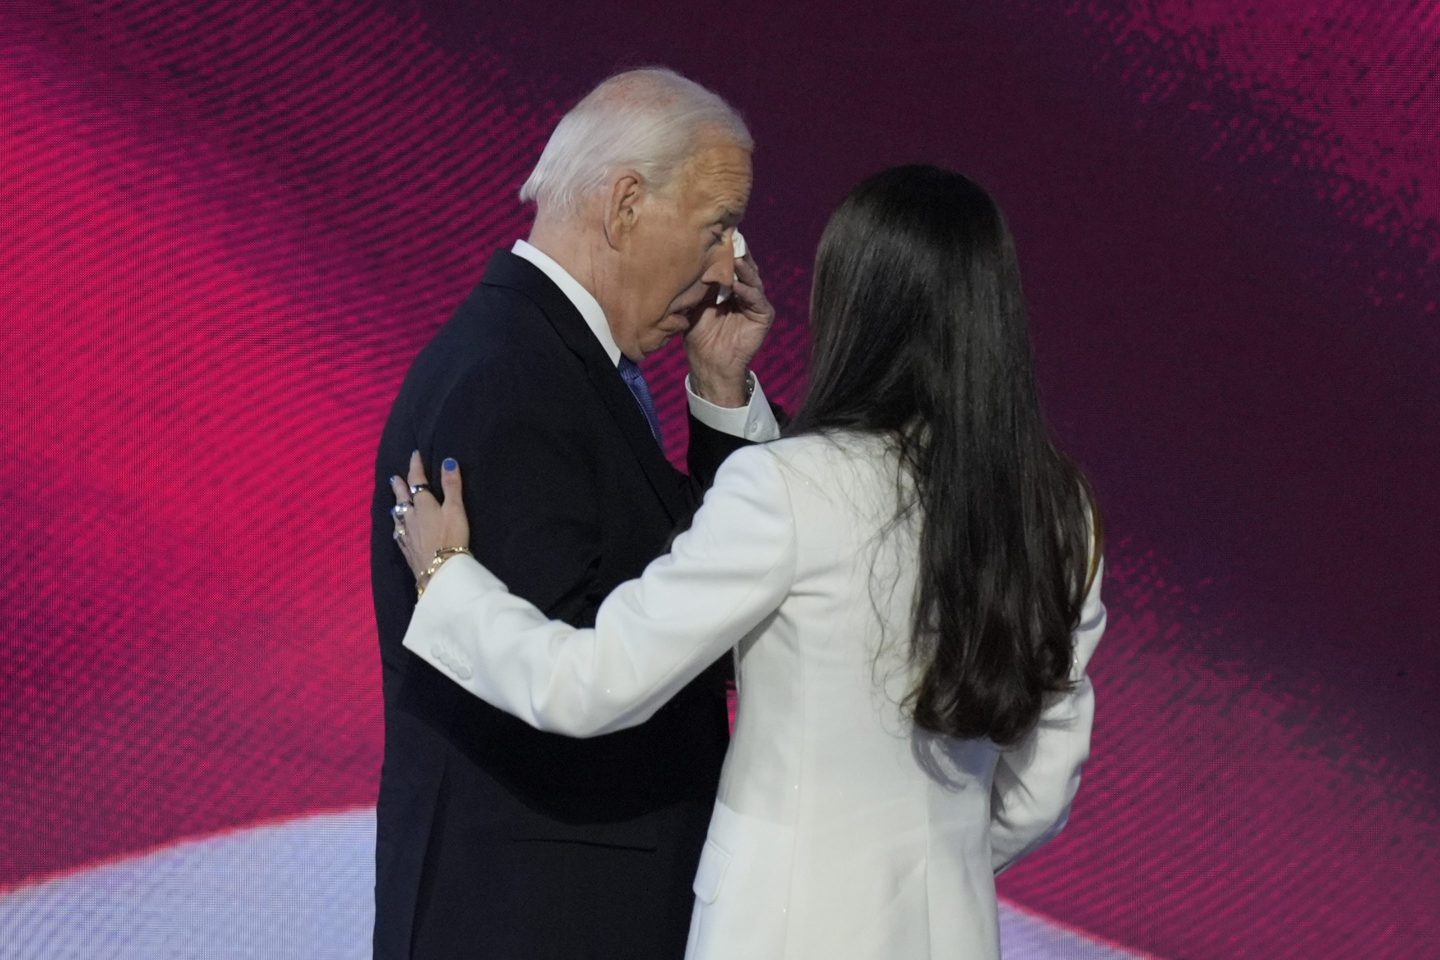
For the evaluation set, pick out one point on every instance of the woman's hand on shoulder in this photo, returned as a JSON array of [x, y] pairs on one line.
[[427, 529]]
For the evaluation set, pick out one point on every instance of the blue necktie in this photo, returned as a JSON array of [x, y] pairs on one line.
[[635, 380]]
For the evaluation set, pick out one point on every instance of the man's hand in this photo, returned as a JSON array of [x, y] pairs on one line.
[[725, 337]]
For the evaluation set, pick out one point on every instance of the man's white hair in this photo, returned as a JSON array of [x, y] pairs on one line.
[[650, 121]]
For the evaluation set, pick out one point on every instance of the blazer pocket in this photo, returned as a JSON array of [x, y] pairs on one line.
[[710, 874], [742, 888], [631, 834]]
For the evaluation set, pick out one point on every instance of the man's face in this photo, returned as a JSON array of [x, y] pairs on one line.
[[680, 249]]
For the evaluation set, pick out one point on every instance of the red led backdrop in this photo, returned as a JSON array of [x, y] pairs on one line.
[[226, 228]]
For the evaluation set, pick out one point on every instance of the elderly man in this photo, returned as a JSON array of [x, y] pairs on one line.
[[494, 840]]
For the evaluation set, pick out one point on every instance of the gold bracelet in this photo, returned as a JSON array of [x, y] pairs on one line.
[[441, 555]]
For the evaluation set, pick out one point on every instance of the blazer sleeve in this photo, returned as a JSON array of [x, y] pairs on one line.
[[652, 635], [530, 481], [1037, 779]]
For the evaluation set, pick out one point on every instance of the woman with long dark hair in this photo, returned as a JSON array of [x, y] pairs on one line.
[[911, 582]]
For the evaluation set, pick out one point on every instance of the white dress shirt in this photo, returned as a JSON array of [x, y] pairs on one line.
[[754, 421]]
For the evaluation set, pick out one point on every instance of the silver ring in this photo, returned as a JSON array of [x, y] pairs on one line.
[[418, 488], [400, 509]]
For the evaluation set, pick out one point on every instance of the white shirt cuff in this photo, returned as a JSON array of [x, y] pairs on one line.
[[755, 421]]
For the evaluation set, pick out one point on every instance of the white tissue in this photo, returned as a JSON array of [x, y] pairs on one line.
[[738, 248]]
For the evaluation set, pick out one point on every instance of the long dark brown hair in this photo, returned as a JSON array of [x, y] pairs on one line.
[[920, 332]]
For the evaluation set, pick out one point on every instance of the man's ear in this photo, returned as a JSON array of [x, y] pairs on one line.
[[622, 209]]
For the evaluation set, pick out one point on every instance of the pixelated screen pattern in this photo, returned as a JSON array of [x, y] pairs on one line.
[[227, 228]]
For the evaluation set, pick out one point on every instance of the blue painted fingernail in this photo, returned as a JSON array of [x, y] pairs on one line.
[[394, 479], [449, 463]]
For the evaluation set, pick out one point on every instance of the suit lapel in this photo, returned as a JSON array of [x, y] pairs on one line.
[[631, 419], [517, 273]]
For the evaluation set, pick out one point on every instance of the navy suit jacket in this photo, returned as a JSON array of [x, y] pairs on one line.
[[493, 839]]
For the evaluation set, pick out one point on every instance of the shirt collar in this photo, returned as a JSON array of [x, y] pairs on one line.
[[583, 300]]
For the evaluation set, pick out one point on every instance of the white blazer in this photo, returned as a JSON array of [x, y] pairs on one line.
[[840, 830]]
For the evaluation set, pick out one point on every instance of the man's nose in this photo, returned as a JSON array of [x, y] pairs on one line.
[[722, 267]]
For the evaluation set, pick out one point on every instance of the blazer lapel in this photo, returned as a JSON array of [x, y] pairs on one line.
[[508, 270], [627, 413]]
